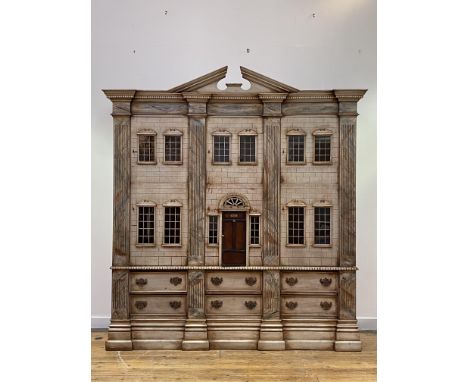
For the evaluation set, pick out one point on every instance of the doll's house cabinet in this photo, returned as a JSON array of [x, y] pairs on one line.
[[234, 217]]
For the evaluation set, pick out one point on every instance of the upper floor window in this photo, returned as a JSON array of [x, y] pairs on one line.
[[146, 149], [221, 148], [296, 148], [172, 225], [254, 229], [145, 224], [322, 225], [296, 225], [247, 148], [212, 229], [172, 148], [322, 148]]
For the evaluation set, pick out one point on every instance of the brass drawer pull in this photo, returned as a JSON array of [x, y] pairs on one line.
[[325, 281], [141, 282], [216, 304], [326, 305], [141, 304], [217, 280], [291, 281], [291, 305], [250, 281], [175, 281], [175, 304], [250, 304]]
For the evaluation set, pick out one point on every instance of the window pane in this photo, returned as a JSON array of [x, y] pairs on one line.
[[255, 230], [322, 148], [221, 148], [171, 225], [295, 225], [145, 225], [296, 148], [322, 225], [146, 148], [213, 230], [172, 148], [247, 148]]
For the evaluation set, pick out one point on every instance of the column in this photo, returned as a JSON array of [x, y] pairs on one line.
[[119, 333], [195, 335], [271, 330], [347, 331]]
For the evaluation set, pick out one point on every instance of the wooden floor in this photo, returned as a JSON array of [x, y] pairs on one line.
[[233, 365]]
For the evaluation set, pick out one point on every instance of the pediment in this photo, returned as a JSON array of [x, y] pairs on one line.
[[208, 83]]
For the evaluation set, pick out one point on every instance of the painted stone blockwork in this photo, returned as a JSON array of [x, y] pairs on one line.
[[308, 184], [159, 183]]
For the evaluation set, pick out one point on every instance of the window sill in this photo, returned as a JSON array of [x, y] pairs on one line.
[[212, 245], [316, 163], [321, 245], [145, 245], [172, 163], [247, 163], [295, 163], [145, 163], [296, 246], [171, 245], [255, 246], [221, 163]]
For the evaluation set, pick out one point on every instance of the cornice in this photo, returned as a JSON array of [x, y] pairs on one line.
[[147, 95], [119, 94], [270, 83], [199, 82], [196, 97], [216, 268], [272, 97], [349, 95]]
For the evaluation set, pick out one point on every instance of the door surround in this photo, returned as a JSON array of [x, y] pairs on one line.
[[229, 204]]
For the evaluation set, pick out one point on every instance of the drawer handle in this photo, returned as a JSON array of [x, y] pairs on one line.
[[291, 281], [216, 304], [326, 305], [217, 280], [250, 304], [291, 305], [325, 281], [140, 304], [250, 281], [175, 281], [141, 282], [175, 304]]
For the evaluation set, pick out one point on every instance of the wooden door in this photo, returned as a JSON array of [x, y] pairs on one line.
[[233, 239]]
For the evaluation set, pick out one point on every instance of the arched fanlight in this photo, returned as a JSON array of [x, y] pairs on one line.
[[234, 202]]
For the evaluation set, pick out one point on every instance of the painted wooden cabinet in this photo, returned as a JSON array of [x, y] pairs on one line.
[[234, 217]]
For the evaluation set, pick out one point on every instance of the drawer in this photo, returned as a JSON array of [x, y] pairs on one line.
[[307, 282], [240, 282], [319, 306], [160, 282], [164, 305], [233, 305]]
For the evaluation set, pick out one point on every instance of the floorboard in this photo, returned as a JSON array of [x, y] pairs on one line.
[[235, 366]]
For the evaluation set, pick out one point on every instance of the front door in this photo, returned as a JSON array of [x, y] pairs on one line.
[[233, 243]]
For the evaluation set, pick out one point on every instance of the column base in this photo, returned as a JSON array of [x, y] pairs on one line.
[[119, 335], [348, 337], [195, 335], [271, 335]]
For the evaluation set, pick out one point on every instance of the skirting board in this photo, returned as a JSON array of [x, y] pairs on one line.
[[365, 323]]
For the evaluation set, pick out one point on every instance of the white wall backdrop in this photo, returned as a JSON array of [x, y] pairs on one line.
[[148, 44]]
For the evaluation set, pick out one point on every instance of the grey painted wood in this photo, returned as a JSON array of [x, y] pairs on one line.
[[235, 109], [347, 309], [120, 297], [314, 108], [196, 294], [146, 108], [271, 189], [271, 294], [197, 190]]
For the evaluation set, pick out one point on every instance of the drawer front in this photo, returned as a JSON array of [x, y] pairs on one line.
[[233, 305], [242, 282], [158, 282], [319, 306], [306, 282], [164, 305]]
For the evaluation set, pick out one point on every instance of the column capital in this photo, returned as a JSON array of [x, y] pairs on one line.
[[272, 103], [196, 103]]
